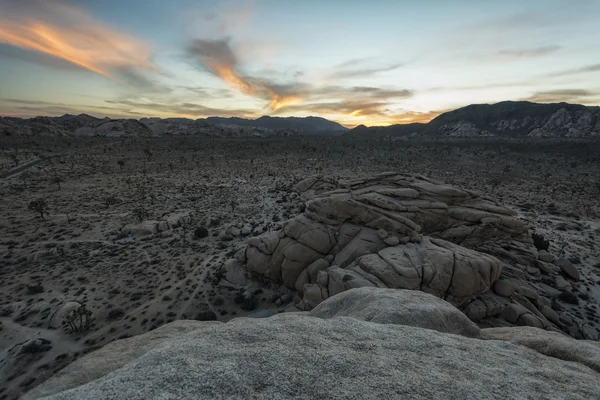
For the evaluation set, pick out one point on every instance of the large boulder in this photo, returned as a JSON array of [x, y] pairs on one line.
[[552, 344], [112, 357], [399, 307], [293, 356]]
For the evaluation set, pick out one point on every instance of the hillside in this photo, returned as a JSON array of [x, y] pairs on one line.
[[506, 119], [85, 125]]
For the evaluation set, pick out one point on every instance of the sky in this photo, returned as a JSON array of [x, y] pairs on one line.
[[373, 62]]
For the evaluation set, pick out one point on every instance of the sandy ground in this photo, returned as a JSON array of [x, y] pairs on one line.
[[120, 231]]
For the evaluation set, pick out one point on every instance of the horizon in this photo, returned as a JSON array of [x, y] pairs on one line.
[[248, 59]]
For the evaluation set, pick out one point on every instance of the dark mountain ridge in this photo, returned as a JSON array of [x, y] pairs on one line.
[[507, 118]]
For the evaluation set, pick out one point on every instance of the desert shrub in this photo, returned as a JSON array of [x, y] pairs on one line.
[[109, 201], [206, 315], [140, 213], [200, 232], [79, 320], [35, 289], [121, 163], [39, 206], [540, 242], [115, 313]]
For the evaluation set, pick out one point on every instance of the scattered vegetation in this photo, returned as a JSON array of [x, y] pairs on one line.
[[79, 320], [540, 242], [38, 206]]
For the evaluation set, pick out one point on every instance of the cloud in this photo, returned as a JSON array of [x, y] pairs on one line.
[[576, 71], [529, 53], [218, 58], [361, 68], [64, 32], [182, 109], [560, 95], [32, 108]]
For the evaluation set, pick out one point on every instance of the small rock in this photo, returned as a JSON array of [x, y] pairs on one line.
[[561, 284], [391, 240], [527, 292], [323, 278], [550, 314], [382, 234], [529, 319], [286, 298], [512, 312], [546, 257], [246, 230], [235, 232], [504, 288], [568, 268]]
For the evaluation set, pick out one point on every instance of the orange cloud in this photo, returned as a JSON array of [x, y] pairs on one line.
[[64, 32], [218, 58]]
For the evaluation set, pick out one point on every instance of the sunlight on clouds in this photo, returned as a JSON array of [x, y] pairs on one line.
[[70, 35]]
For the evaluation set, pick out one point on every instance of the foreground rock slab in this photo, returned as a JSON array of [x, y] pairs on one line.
[[295, 356]]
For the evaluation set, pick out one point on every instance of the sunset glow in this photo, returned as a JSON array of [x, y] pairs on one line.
[[153, 58]]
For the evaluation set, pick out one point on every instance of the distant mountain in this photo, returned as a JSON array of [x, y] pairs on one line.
[[85, 125], [392, 130], [306, 124], [505, 119]]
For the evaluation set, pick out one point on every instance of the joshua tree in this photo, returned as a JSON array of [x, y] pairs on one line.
[[57, 180], [79, 320], [24, 177], [39, 206], [110, 200]]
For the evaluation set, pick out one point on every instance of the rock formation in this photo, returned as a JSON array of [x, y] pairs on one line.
[[406, 232], [293, 355]]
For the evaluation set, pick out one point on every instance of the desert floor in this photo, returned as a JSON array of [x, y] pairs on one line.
[[121, 229]]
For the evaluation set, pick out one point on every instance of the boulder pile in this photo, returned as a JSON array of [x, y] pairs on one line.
[[403, 231]]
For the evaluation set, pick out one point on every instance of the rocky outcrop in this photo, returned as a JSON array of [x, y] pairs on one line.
[[294, 355], [400, 231], [398, 307]]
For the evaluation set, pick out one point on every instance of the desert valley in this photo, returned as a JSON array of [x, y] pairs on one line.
[[113, 228]]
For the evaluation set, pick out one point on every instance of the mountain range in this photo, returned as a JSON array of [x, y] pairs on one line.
[[506, 119]]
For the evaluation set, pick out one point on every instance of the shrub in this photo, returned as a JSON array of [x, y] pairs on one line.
[[200, 232], [39, 206], [140, 213], [110, 200], [35, 289], [115, 313], [79, 320], [540, 242]]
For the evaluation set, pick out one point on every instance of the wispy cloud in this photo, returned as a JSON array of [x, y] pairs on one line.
[[218, 58], [181, 109], [561, 95], [62, 31], [529, 52], [576, 71], [363, 68]]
